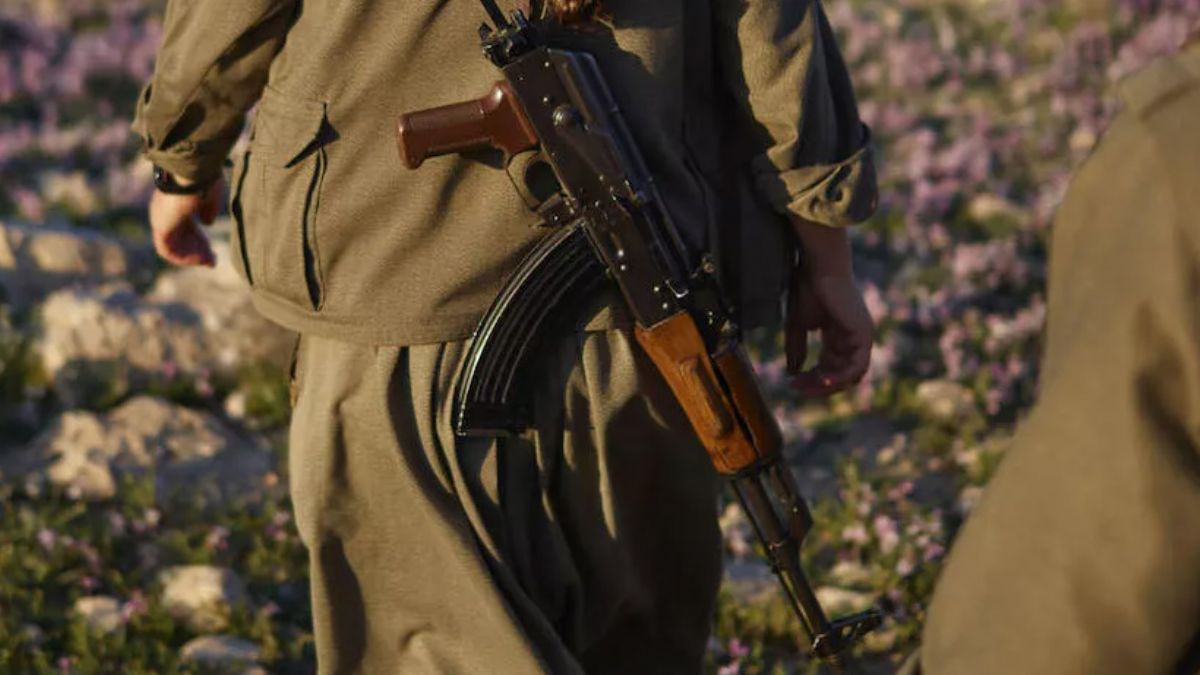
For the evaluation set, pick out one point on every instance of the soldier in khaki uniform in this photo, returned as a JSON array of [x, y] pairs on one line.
[[590, 543], [1084, 555]]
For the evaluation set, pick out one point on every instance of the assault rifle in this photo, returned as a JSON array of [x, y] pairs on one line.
[[606, 221]]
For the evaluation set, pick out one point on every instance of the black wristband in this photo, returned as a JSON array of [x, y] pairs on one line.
[[165, 182]]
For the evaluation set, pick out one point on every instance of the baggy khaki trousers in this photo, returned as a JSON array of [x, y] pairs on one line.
[[587, 545]]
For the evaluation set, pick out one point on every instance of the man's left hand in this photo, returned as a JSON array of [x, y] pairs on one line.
[[178, 237], [824, 298]]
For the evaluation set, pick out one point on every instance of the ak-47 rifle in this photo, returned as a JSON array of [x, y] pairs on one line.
[[607, 222]]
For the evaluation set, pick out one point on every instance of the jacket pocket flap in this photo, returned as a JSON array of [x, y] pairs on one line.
[[286, 128]]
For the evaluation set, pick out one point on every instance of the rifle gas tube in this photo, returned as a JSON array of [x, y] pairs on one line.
[[607, 222]]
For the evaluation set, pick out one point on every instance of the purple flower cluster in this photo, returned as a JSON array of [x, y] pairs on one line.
[[886, 526], [980, 119], [69, 75], [980, 113]]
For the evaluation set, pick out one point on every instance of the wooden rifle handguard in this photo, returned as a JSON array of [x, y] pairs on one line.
[[720, 395]]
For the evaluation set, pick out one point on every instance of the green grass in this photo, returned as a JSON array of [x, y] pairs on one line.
[[54, 550]]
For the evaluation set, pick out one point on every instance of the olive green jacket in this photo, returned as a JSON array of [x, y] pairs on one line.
[[337, 238], [1084, 554]]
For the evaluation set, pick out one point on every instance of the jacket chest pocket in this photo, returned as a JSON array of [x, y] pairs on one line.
[[279, 197]]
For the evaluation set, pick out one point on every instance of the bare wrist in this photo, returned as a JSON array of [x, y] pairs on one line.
[[825, 250], [165, 181]]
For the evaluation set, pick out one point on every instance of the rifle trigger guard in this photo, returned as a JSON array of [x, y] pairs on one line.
[[533, 178]]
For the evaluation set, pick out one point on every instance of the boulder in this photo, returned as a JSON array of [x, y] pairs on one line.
[[220, 300], [848, 573], [102, 341], [100, 613], [201, 596], [98, 343], [222, 652], [839, 601], [38, 259], [945, 400], [183, 449]]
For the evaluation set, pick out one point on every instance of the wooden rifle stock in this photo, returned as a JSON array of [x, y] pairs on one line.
[[496, 120]]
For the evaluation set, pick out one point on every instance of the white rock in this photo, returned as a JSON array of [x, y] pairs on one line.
[[193, 321], [1082, 140], [71, 454], [737, 531], [220, 299], [235, 405], [881, 639], [222, 652], [38, 259], [986, 206], [968, 499], [101, 613], [101, 337], [201, 596], [844, 601], [184, 449], [945, 400], [71, 189], [847, 573]]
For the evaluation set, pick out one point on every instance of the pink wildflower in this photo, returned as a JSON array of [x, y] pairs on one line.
[[217, 538], [46, 539], [133, 607], [934, 551], [738, 649], [856, 534], [885, 532]]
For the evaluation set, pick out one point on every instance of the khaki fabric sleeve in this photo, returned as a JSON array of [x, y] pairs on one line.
[[811, 153], [1084, 554], [211, 68]]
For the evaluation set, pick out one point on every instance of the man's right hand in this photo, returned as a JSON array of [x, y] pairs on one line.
[[178, 237]]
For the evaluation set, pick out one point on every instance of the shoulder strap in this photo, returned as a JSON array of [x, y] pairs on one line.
[[724, 236], [532, 9]]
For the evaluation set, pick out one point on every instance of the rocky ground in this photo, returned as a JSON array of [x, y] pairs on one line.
[[142, 428], [144, 521]]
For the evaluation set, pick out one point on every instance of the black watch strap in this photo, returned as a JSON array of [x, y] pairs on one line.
[[165, 182]]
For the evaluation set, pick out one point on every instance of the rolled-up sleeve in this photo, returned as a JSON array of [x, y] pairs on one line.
[[211, 69], [811, 154]]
